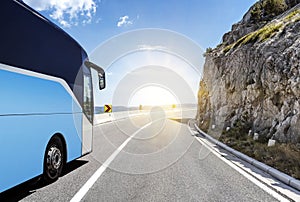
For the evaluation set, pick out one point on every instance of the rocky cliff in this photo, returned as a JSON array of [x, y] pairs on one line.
[[252, 79]]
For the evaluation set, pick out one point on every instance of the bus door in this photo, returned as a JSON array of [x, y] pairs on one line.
[[88, 109]]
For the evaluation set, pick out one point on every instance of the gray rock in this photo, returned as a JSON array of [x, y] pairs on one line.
[[257, 83]]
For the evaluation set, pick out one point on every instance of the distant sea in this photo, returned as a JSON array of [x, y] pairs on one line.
[[100, 110]]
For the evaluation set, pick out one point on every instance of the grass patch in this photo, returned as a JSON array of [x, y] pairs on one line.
[[260, 35], [266, 32], [284, 157], [290, 16], [228, 48]]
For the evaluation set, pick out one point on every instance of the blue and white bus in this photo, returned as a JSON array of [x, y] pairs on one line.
[[46, 101]]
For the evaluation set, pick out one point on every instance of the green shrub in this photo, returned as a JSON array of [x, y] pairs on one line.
[[208, 50], [267, 9], [274, 7]]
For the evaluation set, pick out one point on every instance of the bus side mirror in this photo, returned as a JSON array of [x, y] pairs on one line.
[[102, 83], [101, 73]]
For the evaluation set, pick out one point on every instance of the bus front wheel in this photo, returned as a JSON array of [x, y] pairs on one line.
[[53, 160]]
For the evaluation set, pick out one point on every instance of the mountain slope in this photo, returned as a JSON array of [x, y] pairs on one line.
[[252, 80]]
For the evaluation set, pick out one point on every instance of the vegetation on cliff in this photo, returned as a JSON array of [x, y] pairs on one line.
[[266, 32]]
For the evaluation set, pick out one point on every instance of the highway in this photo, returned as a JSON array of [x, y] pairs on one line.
[[150, 156]]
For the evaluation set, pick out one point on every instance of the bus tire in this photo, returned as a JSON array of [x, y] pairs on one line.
[[53, 160]]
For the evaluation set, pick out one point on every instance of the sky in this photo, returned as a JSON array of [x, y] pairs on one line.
[[151, 50], [91, 22]]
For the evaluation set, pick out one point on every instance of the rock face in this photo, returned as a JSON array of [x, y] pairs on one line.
[[253, 77]]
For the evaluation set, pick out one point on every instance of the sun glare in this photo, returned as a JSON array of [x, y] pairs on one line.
[[152, 96]]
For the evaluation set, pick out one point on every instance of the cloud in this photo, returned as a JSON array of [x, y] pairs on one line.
[[67, 12], [124, 21], [98, 20]]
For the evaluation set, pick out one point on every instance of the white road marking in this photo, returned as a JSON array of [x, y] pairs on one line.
[[85, 188], [244, 173]]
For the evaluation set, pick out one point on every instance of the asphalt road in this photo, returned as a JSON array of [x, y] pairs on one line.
[[161, 161]]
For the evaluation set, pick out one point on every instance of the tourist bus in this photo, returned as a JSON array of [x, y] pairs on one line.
[[46, 101]]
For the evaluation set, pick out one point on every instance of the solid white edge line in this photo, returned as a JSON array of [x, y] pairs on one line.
[[244, 173], [91, 181]]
